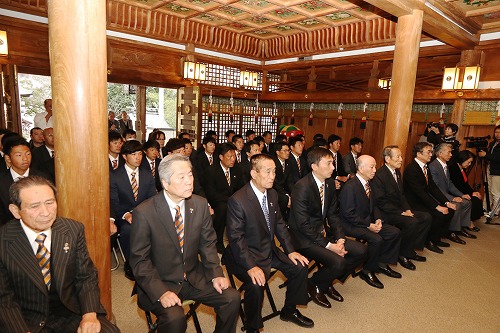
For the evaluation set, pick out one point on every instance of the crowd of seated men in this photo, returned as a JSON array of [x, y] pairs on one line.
[[340, 211]]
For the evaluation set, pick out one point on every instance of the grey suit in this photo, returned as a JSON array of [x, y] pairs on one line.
[[25, 302], [461, 218]]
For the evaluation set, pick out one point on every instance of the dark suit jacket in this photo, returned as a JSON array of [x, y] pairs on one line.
[[202, 166], [5, 182], [349, 164], [339, 168], [3, 164], [155, 256], [217, 189], [125, 125], [120, 191], [443, 181], [389, 196], [42, 161], [121, 162], [250, 241], [457, 179], [146, 166], [244, 168], [24, 298], [280, 183], [306, 219], [356, 209], [420, 194], [294, 174]]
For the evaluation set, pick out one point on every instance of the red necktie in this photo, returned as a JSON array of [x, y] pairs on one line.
[[464, 175]]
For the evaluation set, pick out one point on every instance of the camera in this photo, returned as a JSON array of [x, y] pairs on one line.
[[429, 125], [480, 142]]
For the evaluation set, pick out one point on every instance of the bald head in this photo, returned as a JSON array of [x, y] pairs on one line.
[[367, 166]]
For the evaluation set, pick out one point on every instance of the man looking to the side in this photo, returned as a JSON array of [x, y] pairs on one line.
[[48, 282]]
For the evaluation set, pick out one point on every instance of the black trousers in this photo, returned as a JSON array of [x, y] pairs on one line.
[[69, 324], [334, 266], [226, 306], [413, 230], [440, 224], [296, 290], [219, 220], [383, 247]]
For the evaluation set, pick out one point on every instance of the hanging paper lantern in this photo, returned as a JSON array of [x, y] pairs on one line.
[[290, 131], [339, 121]]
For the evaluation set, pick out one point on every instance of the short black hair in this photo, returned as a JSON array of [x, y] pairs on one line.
[[12, 142], [210, 133], [150, 144], [8, 136], [293, 140], [236, 137], [181, 135], [33, 129], [320, 142], [315, 155], [249, 132], [259, 139], [419, 147], [225, 147], [333, 137], [208, 139], [354, 141], [4, 131], [173, 144], [453, 127], [280, 138], [113, 136], [155, 135], [130, 147], [266, 133], [279, 145], [128, 131], [463, 156], [229, 132], [186, 141], [317, 136]]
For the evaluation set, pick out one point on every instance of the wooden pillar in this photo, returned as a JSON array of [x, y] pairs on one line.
[[11, 110], [140, 123], [397, 120], [77, 39]]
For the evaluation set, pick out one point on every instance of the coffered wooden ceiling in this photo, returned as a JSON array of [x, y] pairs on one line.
[[273, 29]]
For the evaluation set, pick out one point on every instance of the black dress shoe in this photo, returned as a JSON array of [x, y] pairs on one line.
[[297, 318], [406, 263], [128, 271], [466, 234], [389, 272], [317, 296], [416, 257], [475, 229], [454, 238], [442, 244], [371, 279], [433, 247], [334, 294]]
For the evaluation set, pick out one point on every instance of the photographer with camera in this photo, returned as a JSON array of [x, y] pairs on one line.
[[450, 131], [492, 155]]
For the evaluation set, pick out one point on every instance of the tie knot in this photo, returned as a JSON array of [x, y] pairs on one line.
[[133, 174], [40, 238], [178, 209]]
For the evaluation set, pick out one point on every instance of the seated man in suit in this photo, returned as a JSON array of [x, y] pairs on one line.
[[18, 156], [339, 173], [350, 160], [173, 254], [268, 139], [129, 185], [282, 169], [424, 195], [296, 162], [150, 160], [239, 144], [253, 220], [129, 134], [390, 200], [222, 181], [43, 157], [48, 282], [315, 222], [441, 176], [115, 143], [362, 219], [205, 158], [245, 165]]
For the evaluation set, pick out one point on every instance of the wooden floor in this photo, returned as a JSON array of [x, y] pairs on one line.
[[458, 291]]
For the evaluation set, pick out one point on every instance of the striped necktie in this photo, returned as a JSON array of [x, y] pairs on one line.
[[266, 212], [298, 165], [367, 190], [179, 227], [425, 174], [228, 178], [115, 164], [210, 160], [43, 257], [153, 169], [135, 187], [322, 195]]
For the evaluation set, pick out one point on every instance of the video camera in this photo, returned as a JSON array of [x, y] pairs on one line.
[[435, 124], [479, 142]]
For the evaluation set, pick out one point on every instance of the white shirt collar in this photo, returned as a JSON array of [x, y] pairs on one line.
[[172, 204], [32, 235], [390, 169], [443, 164], [421, 164], [224, 169], [15, 175], [361, 179], [258, 193]]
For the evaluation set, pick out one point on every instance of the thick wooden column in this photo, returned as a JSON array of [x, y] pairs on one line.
[[140, 113], [397, 122], [77, 38], [11, 109]]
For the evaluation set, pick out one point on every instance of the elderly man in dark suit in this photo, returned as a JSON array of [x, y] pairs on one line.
[[48, 282], [252, 223], [223, 179], [316, 225], [129, 185], [424, 195], [18, 155], [173, 253], [390, 199], [362, 219], [441, 176]]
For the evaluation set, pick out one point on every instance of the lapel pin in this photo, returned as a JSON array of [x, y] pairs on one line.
[[271, 204], [191, 210], [66, 247]]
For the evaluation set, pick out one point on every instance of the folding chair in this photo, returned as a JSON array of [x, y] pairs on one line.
[[152, 325]]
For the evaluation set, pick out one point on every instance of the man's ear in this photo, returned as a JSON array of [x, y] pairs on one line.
[[15, 211], [7, 159]]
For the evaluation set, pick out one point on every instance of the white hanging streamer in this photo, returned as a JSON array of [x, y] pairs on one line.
[[498, 109], [231, 101], [257, 102], [311, 108], [442, 111], [210, 99], [341, 106], [293, 107], [365, 107]]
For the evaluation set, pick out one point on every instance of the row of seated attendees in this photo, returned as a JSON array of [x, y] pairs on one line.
[[320, 207]]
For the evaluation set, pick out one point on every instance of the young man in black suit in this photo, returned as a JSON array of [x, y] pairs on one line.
[[150, 160], [222, 180], [297, 162], [43, 157], [282, 153], [253, 220], [115, 143], [390, 199], [317, 227], [245, 166], [339, 173], [424, 195], [129, 186], [350, 160]]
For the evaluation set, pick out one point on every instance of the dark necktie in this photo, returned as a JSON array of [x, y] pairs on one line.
[[43, 257], [298, 165], [115, 164]]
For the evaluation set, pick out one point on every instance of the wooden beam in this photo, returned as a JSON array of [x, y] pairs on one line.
[[397, 7]]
